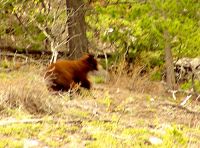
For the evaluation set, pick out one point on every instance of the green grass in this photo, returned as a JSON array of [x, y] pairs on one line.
[[112, 135], [56, 132], [75, 112], [98, 79], [49, 133], [11, 143], [188, 85], [14, 134]]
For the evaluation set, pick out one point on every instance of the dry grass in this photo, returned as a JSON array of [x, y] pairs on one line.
[[28, 91], [136, 82]]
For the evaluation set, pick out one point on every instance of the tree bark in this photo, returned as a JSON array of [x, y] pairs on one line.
[[169, 62], [77, 41]]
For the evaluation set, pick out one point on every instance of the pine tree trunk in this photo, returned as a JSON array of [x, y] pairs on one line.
[[169, 62], [77, 41]]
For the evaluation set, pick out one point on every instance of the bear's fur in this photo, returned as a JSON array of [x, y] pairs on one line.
[[65, 74]]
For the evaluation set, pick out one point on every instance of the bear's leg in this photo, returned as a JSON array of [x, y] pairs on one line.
[[85, 83]]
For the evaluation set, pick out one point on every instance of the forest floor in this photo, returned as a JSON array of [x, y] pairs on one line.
[[112, 114]]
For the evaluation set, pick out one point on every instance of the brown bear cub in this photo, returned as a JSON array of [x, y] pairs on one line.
[[66, 74]]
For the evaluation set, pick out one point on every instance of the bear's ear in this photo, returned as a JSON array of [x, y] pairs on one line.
[[91, 56], [92, 62], [88, 56]]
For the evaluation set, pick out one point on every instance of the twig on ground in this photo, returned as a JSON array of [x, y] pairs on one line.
[[185, 100]]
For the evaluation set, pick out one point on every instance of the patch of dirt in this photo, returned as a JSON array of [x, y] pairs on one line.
[[131, 107]]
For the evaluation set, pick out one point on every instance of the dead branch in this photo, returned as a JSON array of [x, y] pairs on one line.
[[9, 51], [33, 121], [27, 51], [14, 55], [23, 121], [45, 32]]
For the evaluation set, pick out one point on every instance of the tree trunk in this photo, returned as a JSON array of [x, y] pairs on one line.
[[77, 40], [169, 62]]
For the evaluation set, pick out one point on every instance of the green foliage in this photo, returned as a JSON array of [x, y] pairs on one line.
[[156, 76], [152, 58], [133, 27], [138, 27], [188, 85]]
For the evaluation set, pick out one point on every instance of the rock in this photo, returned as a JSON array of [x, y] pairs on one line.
[[185, 67], [29, 143], [155, 140]]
